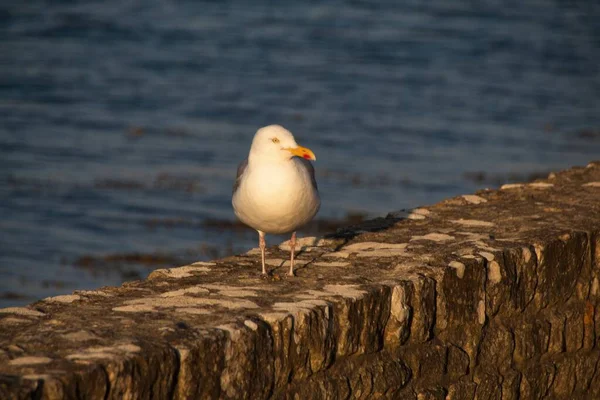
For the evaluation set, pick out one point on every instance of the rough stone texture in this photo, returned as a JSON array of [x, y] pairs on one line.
[[486, 296]]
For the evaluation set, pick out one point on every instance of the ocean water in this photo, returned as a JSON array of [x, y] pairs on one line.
[[122, 122]]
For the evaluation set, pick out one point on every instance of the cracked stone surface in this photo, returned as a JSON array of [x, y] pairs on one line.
[[486, 295]]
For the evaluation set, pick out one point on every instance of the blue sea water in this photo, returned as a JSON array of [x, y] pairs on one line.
[[122, 122]]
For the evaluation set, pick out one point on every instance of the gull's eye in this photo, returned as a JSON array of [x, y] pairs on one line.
[[275, 140]]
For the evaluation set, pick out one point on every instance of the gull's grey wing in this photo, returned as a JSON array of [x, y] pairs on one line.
[[240, 171], [311, 171]]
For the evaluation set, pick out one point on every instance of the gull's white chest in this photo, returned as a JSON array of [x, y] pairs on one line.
[[276, 197]]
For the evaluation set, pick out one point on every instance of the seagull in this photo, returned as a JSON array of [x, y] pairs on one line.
[[275, 190]]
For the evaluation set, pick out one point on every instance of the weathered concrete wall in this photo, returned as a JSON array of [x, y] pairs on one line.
[[484, 296]]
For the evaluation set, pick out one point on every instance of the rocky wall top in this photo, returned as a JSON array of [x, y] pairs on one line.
[[219, 329]]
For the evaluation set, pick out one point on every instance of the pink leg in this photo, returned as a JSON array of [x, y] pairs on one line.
[[262, 244], [292, 249]]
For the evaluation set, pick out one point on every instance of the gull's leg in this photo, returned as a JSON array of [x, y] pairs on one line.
[[292, 249], [262, 244]]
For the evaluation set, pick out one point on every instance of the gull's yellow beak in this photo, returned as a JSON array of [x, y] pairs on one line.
[[302, 152]]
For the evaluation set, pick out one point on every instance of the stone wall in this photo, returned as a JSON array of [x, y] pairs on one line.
[[486, 296]]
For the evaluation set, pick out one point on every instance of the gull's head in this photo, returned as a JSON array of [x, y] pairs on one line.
[[275, 143]]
